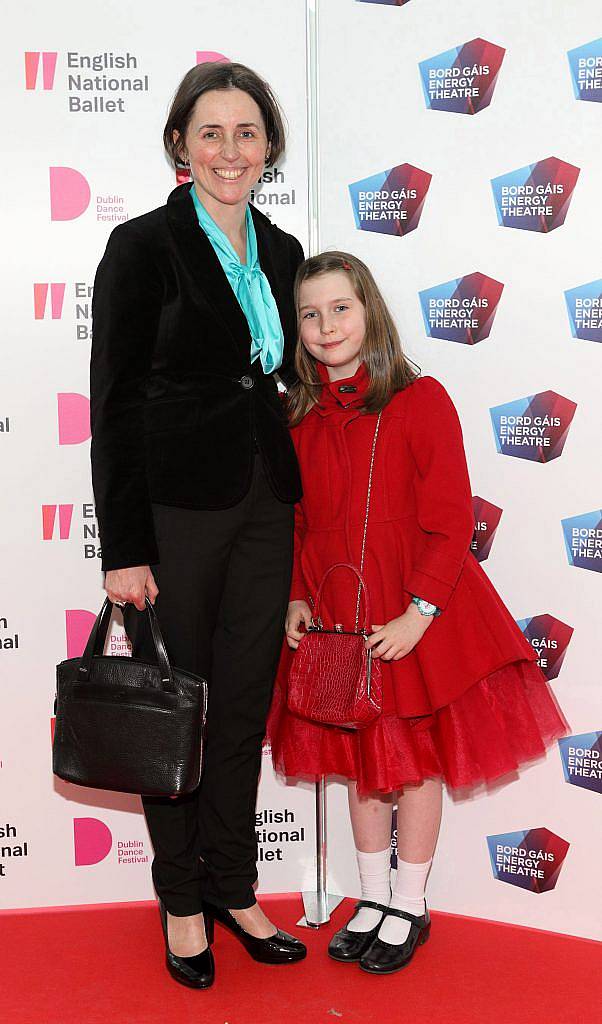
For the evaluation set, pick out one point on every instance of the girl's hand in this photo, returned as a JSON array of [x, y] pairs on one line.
[[298, 612], [398, 637], [131, 586]]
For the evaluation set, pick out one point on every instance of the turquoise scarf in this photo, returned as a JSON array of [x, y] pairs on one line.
[[251, 287]]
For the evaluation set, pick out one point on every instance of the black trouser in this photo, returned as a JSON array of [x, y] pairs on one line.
[[224, 580]]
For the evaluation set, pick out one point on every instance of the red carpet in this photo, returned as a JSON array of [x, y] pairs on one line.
[[103, 965]]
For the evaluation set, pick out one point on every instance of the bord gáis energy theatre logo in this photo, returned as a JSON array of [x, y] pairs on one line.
[[462, 80], [530, 859], [390, 202], [534, 428], [461, 310], [536, 197]]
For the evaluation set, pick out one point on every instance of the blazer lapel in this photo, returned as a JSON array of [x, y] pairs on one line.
[[205, 269]]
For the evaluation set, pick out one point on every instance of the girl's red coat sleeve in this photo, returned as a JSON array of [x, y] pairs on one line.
[[298, 586], [442, 492]]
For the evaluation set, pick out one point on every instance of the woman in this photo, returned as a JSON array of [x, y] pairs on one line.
[[195, 478]]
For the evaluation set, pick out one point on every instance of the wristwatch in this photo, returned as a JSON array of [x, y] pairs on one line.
[[425, 607]]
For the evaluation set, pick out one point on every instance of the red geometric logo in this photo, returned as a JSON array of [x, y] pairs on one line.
[[49, 519], [32, 66], [486, 521], [40, 296]]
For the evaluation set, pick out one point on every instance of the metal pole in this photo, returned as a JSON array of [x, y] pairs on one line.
[[317, 903]]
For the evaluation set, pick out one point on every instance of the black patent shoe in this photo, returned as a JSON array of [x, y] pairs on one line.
[[195, 971], [280, 948], [385, 958], [347, 946]]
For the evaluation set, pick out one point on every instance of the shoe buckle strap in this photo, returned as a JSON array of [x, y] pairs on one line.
[[412, 918], [371, 906]]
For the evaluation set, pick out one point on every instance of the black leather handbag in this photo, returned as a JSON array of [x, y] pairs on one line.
[[126, 724]]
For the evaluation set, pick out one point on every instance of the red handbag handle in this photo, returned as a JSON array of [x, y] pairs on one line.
[[363, 588]]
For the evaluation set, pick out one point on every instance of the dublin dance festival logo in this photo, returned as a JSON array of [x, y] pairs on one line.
[[582, 760], [463, 79], [462, 309], [390, 202], [535, 197], [531, 859], [534, 427]]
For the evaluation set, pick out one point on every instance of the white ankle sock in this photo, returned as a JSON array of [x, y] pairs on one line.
[[408, 895], [375, 878]]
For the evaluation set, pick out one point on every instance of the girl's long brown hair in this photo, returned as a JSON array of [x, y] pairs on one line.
[[389, 370]]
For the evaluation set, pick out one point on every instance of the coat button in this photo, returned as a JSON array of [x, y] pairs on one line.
[[247, 382]]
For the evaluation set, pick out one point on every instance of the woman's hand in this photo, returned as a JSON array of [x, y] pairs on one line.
[[131, 586], [398, 637], [298, 612]]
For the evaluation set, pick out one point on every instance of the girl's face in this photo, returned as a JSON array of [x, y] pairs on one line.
[[332, 322]]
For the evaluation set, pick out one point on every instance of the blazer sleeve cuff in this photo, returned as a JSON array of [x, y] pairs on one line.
[[115, 558]]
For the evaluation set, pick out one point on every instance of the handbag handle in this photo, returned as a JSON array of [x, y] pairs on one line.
[[98, 635], [362, 589]]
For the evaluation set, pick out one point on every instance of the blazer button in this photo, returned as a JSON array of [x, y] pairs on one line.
[[247, 382]]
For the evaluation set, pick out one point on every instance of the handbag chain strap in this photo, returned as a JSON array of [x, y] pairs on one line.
[[359, 589]]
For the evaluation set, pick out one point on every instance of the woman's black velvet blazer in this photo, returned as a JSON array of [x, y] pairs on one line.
[[176, 405]]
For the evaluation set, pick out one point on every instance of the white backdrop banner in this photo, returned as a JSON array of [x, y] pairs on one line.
[[460, 155]]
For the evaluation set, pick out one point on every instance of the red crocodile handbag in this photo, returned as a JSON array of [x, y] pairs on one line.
[[333, 678]]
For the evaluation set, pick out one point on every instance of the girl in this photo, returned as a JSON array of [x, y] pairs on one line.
[[463, 700]]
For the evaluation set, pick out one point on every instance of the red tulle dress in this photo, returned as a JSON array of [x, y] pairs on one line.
[[469, 704]]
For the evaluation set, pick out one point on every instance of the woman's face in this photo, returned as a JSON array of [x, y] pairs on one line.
[[332, 322], [226, 144]]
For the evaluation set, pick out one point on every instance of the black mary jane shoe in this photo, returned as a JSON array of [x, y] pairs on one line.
[[280, 948], [348, 947], [195, 971], [385, 958]]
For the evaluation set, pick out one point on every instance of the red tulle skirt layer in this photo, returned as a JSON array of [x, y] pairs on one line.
[[500, 723]]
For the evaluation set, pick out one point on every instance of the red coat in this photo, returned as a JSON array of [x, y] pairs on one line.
[[418, 543]]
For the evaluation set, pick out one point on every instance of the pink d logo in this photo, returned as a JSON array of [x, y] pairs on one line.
[[69, 193], [74, 418], [78, 624], [92, 840], [211, 57]]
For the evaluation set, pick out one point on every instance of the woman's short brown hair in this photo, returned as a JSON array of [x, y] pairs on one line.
[[388, 368], [205, 77]]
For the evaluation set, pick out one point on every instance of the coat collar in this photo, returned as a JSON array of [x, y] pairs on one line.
[[333, 399], [199, 256]]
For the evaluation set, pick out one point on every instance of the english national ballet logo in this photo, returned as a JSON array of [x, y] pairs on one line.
[[40, 69], [582, 760], [73, 418], [390, 202], [94, 83], [549, 638], [49, 522], [41, 306], [534, 427], [461, 310], [535, 197], [584, 305], [583, 540], [486, 521], [585, 63], [462, 79], [530, 860]]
